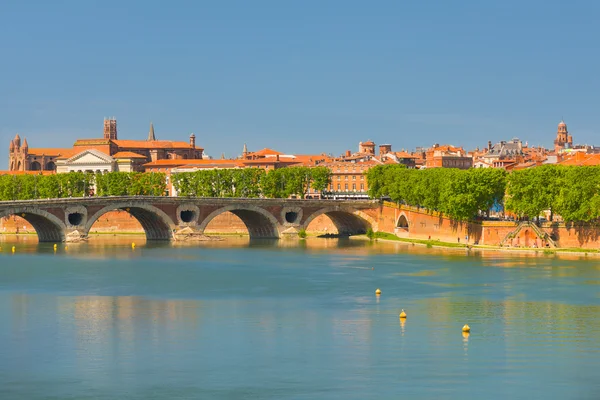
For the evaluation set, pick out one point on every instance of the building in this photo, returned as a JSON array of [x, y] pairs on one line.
[[348, 179], [447, 156], [503, 153], [367, 147], [563, 139], [108, 153]]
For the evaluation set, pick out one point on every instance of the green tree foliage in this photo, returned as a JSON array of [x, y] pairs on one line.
[[571, 192], [533, 190], [252, 182], [460, 194], [578, 194], [79, 184]]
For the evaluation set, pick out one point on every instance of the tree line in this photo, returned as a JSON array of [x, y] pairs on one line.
[[569, 191], [459, 194], [247, 182], [80, 184], [251, 182]]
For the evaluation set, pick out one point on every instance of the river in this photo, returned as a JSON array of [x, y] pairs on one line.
[[294, 320]]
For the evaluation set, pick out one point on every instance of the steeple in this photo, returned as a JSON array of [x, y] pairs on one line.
[[25, 146], [245, 151], [151, 136]]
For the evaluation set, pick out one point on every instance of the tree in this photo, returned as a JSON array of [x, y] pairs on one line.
[[321, 178]]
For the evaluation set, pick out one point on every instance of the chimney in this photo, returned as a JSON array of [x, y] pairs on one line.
[[489, 145], [348, 153], [193, 141], [277, 157]]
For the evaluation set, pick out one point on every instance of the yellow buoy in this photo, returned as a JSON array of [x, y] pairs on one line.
[[378, 292], [66, 247], [133, 245], [466, 328], [466, 335], [402, 314], [14, 249]]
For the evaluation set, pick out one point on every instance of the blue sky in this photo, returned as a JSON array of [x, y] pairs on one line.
[[304, 77]]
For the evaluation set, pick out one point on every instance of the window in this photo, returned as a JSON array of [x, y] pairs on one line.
[[354, 186], [346, 186], [353, 177], [345, 177], [339, 186], [362, 177], [362, 187]]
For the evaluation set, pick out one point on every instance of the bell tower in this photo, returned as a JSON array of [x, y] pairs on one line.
[[110, 128], [563, 139]]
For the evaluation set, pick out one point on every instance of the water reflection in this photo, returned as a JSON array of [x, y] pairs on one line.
[[284, 319]]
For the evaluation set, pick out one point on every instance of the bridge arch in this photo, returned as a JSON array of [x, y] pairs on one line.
[[402, 222], [48, 227], [348, 221], [260, 223], [156, 223]]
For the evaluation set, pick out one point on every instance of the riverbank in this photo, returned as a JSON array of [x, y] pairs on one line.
[[388, 237]]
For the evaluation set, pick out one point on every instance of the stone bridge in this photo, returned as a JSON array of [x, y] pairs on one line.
[[167, 218]]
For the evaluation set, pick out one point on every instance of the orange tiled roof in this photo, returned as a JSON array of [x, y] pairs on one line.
[[127, 154], [229, 164], [265, 152], [282, 160], [582, 159], [153, 144], [524, 165], [180, 161], [404, 154], [49, 152]]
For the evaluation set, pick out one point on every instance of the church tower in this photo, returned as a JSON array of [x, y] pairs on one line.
[[563, 139], [110, 128]]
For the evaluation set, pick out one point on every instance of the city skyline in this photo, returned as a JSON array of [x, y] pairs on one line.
[[300, 78]]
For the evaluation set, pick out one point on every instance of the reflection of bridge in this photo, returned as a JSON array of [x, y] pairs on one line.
[[163, 217]]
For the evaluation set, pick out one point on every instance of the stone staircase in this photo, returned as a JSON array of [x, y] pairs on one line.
[[527, 224]]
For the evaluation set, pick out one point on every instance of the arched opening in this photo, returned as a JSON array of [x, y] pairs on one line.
[[75, 218], [47, 227], [36, 166], [347, 223], [291, 217], [155, 223], [51, 166], [258, 222], [226, 223], [116, 221], [187, 216], [19, 166], [12, 166], [402, 223], [322, 225]]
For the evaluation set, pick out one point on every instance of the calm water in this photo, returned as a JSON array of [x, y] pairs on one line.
[[233, 320]]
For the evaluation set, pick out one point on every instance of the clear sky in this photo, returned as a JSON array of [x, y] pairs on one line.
[[301, 77]]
